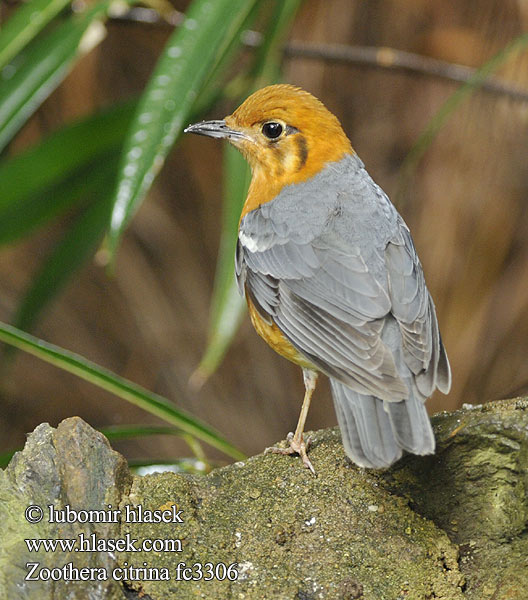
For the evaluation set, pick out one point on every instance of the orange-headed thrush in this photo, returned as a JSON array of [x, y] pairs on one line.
[[332, 278]]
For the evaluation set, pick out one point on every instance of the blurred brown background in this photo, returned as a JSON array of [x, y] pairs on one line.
[[465, 205]]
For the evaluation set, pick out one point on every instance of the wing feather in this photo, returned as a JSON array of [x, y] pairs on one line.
[[414, 310], [331, 266]]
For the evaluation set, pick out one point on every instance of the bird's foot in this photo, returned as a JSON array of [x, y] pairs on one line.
[[297, 446]]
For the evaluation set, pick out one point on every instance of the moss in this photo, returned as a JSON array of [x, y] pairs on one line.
[[296, 536], [450, 526]]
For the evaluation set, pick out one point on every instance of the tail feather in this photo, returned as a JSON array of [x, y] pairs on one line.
[[411, 426], [365, 428], [375, 432], [349, 432]]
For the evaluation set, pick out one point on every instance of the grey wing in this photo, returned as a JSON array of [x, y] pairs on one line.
[[331, 267], [413, 307], [320, 292]]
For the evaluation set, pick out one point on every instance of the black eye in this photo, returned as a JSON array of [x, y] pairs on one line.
[[272, 130]]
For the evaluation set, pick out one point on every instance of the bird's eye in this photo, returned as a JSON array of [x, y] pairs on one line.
[[272, 130]]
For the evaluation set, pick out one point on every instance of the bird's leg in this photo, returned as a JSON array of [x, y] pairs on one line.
[[297, 443]]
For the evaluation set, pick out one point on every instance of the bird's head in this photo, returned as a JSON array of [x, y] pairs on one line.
[[286, 134]]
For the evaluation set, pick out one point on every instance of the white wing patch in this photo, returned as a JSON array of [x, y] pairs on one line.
[[251, 243]]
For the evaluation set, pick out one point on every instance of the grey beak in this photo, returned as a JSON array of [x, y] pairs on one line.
[[215, 129]]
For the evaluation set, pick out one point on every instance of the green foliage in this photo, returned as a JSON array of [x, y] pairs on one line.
[[105, 379], [72, 169], [187, 62], [227, 307], [25, 24], [98, 170], [50, 178], [42, 65]]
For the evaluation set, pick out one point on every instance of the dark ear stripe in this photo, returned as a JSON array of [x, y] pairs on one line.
[[302, 148], [279, 155]]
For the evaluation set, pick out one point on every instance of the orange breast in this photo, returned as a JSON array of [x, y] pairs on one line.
[[275, 338]]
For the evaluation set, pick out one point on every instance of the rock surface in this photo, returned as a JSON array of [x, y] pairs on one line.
[[450, 526], [71, 465]]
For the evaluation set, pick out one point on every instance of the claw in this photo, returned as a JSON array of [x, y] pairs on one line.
[[296, 440], [295, 447]]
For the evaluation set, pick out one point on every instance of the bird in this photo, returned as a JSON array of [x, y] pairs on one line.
[[332, 278]]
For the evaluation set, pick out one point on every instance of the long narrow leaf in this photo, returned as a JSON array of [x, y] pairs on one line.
[[32, 211], [57, 174], [76, 247], [42, 66], [25, 24], [183, 69], [117, 432], [215, 86], [105, 379], [270, 54], [61, 154], [227, 308], [237, 176], [451, 104], [127, 432]]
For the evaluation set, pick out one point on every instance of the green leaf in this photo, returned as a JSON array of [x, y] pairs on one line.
[[105, 379], [189, 58], [436, 123], [77, 245], [216, 87], [227, 307], [19, 220], [25, 24], [52, 176], [29, 80], [118, 432], [122, 432], [64, 151], [269, 57], [96, 140]]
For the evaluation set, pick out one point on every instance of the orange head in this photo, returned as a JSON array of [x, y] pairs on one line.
[[286, 134]]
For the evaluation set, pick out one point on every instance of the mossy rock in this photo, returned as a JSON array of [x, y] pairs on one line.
[[449, 526]]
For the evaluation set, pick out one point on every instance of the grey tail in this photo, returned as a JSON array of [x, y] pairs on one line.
[[375, 432]]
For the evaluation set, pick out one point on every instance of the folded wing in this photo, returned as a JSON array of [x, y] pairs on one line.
[[330, 265]]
